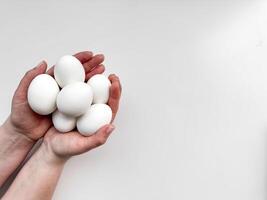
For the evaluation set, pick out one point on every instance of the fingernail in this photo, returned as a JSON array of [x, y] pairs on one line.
[[90, 52], [40, 64], [101, 56], [110, 129]]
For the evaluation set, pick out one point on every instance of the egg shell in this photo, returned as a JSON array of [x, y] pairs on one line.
[[75, 99], [97, 116], [63, 123], [42, 94], [100, 85], [68, 69]]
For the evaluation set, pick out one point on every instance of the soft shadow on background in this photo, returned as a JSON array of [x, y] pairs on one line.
[[193, 119]]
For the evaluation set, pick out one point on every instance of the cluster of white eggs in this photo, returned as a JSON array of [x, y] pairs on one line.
[[73, 102]]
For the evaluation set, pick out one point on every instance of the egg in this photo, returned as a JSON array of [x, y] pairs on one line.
[[63, 123], [68, 70], [97, 116], [42, 94], [100, 85], [75, 99]]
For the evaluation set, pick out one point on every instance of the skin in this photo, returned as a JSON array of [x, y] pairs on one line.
[[24, 127], [46, 165]]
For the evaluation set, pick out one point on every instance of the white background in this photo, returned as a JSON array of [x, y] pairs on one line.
[[193, 117]]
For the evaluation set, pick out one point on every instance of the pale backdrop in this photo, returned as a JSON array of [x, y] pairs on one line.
[[193, 117]]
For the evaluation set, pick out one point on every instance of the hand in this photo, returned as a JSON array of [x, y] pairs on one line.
[[23, 127], [23, 120], [61, 146]]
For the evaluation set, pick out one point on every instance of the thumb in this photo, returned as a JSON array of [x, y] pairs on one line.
[[99, 138], [21, 92]]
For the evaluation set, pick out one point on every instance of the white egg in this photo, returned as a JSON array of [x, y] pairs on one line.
[[100, 85], [68, 69], [63, 123], [42, 94], [75, 99], [97, 116]]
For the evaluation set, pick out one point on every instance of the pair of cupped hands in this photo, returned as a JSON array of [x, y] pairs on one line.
[[31, 127]]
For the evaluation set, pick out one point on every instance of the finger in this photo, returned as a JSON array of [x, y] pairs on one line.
[[99, 138], [51, 71], [97, 70], [22, 89], [83, 57], [95, 61], [115, 94]]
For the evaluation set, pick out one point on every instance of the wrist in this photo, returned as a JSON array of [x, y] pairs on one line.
[[10, 135], [50, 158], [14, 149]]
